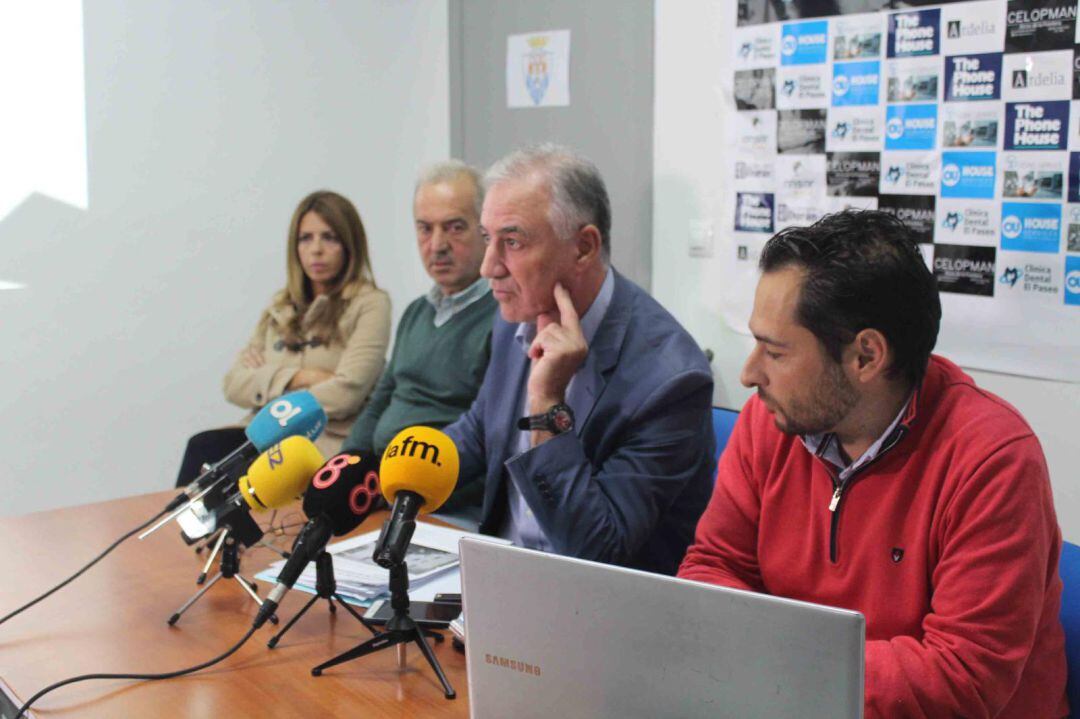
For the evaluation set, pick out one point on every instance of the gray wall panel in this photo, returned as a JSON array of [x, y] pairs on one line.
[[610, 117]]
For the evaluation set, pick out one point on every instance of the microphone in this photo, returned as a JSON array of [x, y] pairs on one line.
[[277, 477], [292, 414], [342, 494], [419, 471]]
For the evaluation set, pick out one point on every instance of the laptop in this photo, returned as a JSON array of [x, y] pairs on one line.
[[549, 636]]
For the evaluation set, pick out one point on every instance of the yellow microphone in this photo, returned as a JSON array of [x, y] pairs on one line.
[[280, 474], [418, 474]]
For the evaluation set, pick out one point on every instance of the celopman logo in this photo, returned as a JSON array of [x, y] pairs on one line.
[[409, 448]]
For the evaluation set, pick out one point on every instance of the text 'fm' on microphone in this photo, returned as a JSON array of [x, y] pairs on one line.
[[343, 492], [419, 471], [291, 414]]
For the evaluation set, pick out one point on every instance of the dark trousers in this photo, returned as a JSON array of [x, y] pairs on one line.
[[206, 448]]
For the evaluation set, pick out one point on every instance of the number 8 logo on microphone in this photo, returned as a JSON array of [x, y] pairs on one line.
[[363, 495], [330, 471]]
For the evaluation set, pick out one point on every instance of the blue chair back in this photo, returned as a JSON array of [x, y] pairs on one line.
[[1070, 619], [723, 421]]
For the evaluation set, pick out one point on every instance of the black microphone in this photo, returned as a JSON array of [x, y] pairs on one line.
[[342, 494]]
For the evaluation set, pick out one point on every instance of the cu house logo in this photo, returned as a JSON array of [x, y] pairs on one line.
[[952, 220], [789, 45], [895, 128], [1011, 227], [841, 84], [950, 175]]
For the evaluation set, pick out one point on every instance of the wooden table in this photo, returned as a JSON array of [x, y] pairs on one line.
[[113, 619]]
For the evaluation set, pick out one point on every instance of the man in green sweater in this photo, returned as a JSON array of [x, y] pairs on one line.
[[444, 338]]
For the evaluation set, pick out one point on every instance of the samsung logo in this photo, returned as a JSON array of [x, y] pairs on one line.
[[513, 665]]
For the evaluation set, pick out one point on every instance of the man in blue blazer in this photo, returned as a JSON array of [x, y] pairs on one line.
[[591, 435]]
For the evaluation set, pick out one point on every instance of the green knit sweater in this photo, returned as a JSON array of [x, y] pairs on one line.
[[433, 376]]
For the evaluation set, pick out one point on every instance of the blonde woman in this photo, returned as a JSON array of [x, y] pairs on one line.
[[327, 331]]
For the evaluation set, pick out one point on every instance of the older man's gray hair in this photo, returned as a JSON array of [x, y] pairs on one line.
[[578, 194], [449, 171]]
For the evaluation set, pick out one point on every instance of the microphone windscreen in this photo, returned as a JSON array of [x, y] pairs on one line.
[[421, 460], [280, 474], [290, 415], [344, 490]]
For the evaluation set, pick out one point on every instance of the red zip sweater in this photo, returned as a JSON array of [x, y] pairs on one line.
[[947, 542]]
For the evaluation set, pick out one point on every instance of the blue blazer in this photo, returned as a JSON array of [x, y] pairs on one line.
[[628, 485]]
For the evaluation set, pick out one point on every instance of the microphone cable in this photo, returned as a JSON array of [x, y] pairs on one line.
[[79, 573], [148, 677]]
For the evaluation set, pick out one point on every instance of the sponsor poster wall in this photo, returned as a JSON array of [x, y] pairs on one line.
[[963, 120]]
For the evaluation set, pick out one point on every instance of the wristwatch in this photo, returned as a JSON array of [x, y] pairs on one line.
[[558, 419]]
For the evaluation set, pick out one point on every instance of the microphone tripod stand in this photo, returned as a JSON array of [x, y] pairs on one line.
[[228, 545], [325, 588], [400, 630]]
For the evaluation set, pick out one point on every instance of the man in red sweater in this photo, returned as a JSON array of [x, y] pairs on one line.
[[868, 474]]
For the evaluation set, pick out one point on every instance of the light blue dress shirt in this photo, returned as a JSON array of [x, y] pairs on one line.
[[521, 527], [446, 306]]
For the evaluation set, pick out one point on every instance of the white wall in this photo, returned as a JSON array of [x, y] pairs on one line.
[[206, 124], [692, 184]]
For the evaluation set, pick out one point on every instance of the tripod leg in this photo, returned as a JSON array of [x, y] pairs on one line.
[[356, 614], [213, 554], [448, 690], [194, 598], [431, 634], [377, 642], [277, 637], [247, 588]]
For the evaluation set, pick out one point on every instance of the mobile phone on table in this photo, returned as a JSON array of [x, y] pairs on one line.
[[436, 615]]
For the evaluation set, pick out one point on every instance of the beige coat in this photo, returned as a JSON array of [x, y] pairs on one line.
[[356, 365]]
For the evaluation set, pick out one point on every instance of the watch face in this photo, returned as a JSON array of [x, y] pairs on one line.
[[563, 420]]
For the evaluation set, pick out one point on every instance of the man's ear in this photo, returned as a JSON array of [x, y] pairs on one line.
[[869, 355], [588, 245]]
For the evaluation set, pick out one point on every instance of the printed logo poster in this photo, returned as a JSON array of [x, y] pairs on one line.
[[1072, 228], [754, 212], [915, 211], [972, 125], [853, 173], [804, 43], [538, 69], [1028, 277], [912, 81], [1038, 76], [755, 132], [757, 46], [967, 222], [1076, 74], [973, 27], [856, 37], [854, 129], [973, 77], [1034, 25], [968, 174], [909, 173], [914, 33], [755, 174], [799, 211], [802, 86], [1030, 226], [800, 175], [1074, 178], [1036, 125], [1072, 280], [911, 127], [1033, 175], [755, 89], [800, 132], [965, 269], [856, 83]]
